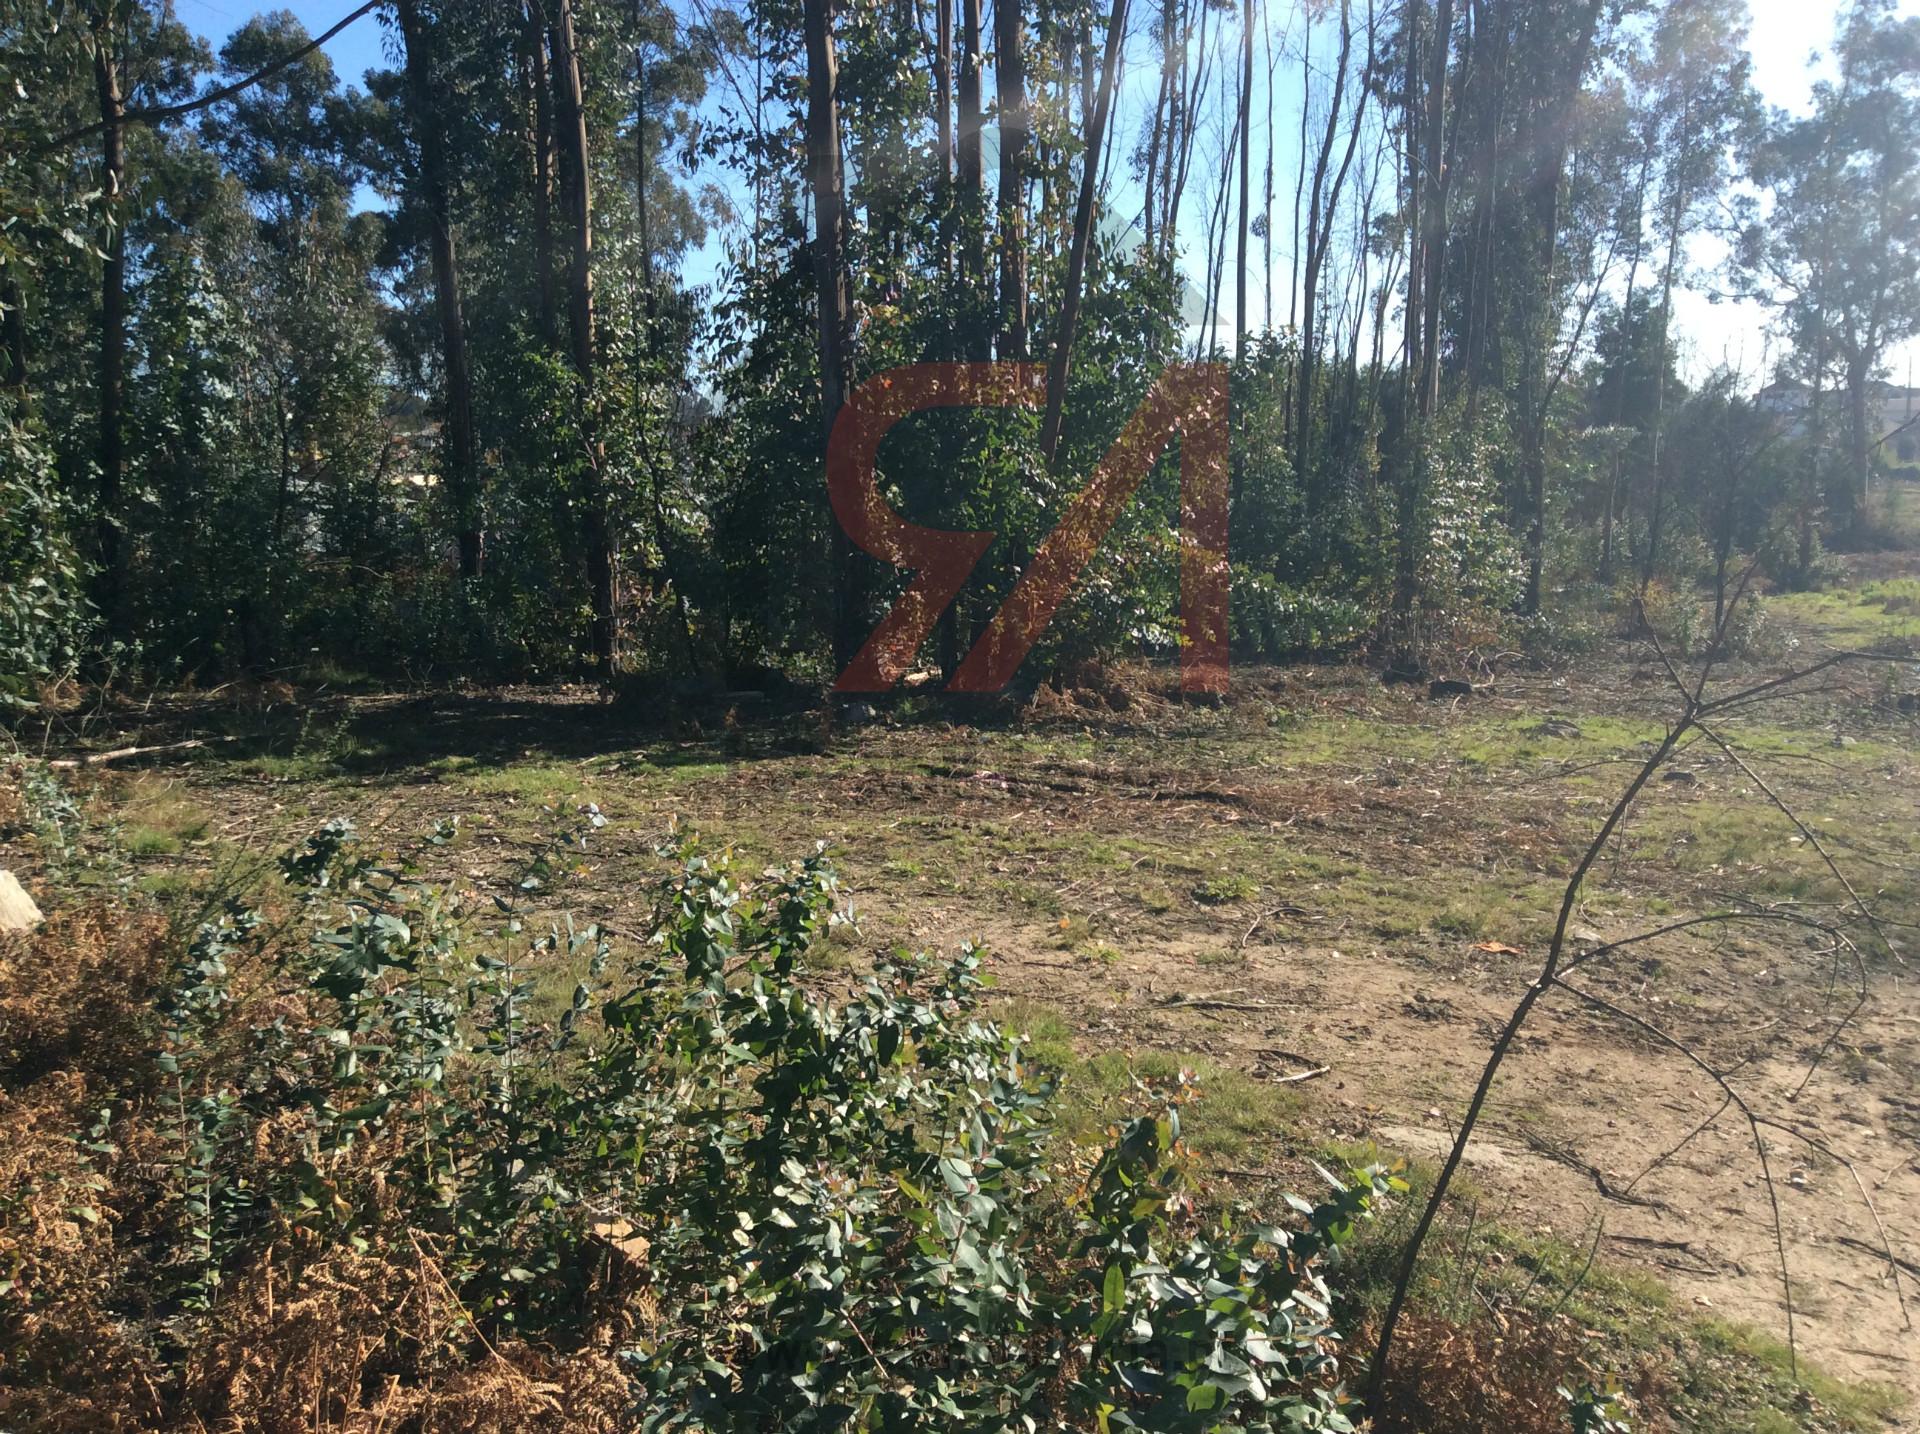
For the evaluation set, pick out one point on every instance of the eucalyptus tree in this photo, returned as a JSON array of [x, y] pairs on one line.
[[1837, 247], [1699, 101]]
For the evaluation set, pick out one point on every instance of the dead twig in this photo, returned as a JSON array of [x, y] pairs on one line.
[[120, 754], [1313, 1074]]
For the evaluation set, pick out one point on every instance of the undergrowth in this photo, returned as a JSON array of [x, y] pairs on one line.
[[320, 1160]]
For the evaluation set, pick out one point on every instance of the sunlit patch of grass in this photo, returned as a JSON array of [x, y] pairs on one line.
[[1226, 889], [1852, 1406], [156, 820], [1227, 958], [532, 781], [1857, 617]]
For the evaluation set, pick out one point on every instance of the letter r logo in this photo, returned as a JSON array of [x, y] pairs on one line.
[[1188, 399]]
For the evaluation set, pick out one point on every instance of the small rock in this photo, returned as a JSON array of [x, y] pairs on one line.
[[17, 911], [1845, 742]]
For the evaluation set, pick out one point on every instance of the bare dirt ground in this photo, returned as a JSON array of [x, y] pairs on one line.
[[1321, 873]]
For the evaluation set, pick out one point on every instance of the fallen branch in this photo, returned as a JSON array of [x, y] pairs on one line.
[[120, 754], [1298, 1076]]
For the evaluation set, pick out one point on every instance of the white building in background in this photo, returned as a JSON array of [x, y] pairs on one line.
[[1896, 427]]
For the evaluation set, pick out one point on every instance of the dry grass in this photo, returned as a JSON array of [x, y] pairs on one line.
[[1452, 1379], [307, 1337]]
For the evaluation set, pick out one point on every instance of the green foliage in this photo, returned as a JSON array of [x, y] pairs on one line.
[[43, 614], [1593, 1411], [844, 1211]]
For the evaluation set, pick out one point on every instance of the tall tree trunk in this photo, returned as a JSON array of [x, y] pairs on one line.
[[826, 177], [968, 149], [943, 84], [1656, 515], [1607, 557], [463, 465], [1413, 327], [1246, 180], [1082, 235], [577, 193], [1156, 126], [1553, 136], [943, 129], [1266, 232], [1300, 170], [1852, 495], [1491, 30], [1010, 81], [642, 183], [1433, 209], [541, 142], [1192, 93], [975, 342], [1322, 204], [107, 75]]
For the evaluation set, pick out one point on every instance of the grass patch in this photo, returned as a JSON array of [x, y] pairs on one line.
[[531, 782], [1857, 617], [156, 820], [1225, 890]]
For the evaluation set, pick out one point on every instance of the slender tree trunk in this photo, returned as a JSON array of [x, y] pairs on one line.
[[577, 192], [972, 168], [826, 177], [1082, 235], [1248, 11], [642, 183], [463, 465], [113, 327], [1656, 516], [1192, 93], [943, 127], [541, 141], [1156, 126], [1266, 208], [1413, 327], [1620, 408], [1859, 446], [1433, 207], [1010, 80], [1300, 170], [1555, 135], [1323, 202]]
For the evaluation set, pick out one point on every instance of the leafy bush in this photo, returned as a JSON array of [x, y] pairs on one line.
[[42, 611], [1276, 621], [367, 1162]]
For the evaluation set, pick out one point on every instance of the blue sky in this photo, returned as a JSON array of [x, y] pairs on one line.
[[1784, 35]]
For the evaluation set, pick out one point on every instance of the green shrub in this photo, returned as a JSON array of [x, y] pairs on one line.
[[777, 1209], [43, 614]]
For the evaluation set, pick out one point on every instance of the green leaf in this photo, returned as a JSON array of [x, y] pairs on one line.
[[1113, 1290]]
